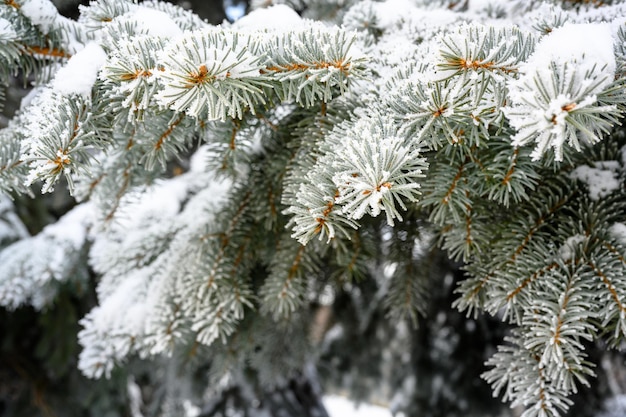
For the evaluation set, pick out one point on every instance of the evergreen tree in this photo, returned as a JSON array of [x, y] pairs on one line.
[[300, 195]]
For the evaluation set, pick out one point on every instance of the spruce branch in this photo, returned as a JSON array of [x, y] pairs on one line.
[[13, 171], [557, 98], [24, 48], [312, 65], [212, 75], [99, 14], [316, 213], [559, 326], [407, 280], [474, 50], [549, 344], [59, 140], [377, 175], [561, 111], [466, 240], [516, 373], [26, 279], [469, 137], [613, 309], [519, 239], [130, 71], [433, 112], [512, 176], [447, 192], [283, 292], [370, 177]]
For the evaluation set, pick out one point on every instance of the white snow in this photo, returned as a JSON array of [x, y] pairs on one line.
[[32, 266], [618, 230], [277, 17], [73, 226], [134, 396], [609, 165], [160, 201], [601, 182], [45, 16], [235, 11], [81, 71], [110, 328], [389, 12], [191, 410], [198, 161], [155, 22], [5, 203], [338, 406], [587, 45], [42, 13], [12, 226], [30, 96]]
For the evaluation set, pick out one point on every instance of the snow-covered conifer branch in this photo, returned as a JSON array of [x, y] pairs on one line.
[[9, 49], [476, 50], [559, 324], [131, 71], [23, 47], [58, 138], [374, 170], [516, 373], [312, 65], [561, 96], [498, 279], [435, 112], [61, 258], [512, 174], [552, 346], [208, 159], [11, 227], [449, 192], [212, 75], [284, 290], [13, 171]]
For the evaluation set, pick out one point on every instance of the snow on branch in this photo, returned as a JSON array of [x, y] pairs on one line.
[[375, 170], [564, 93], [60, 250]]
